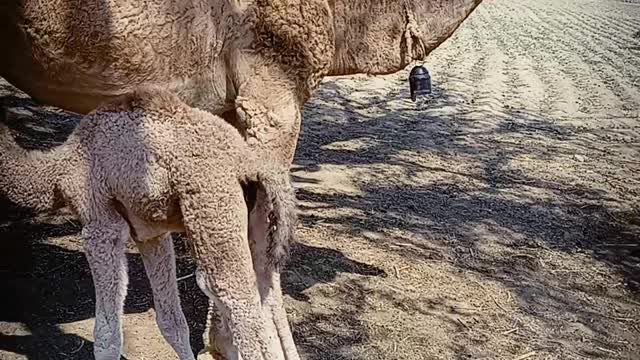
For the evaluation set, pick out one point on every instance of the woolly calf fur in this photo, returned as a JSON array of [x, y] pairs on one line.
[[145, 165]]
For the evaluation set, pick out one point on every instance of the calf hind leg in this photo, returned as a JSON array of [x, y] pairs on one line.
[[160, 264], [104, 239], [231, 286], [273, 306]]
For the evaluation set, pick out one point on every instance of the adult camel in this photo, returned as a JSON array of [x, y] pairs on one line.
[[255, 62]]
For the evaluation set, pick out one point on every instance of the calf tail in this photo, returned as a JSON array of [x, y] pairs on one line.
[[27, 179], [282, 217]]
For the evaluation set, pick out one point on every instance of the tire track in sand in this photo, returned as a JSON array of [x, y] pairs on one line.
[[622, 44], [584, 51], [489, 75], [550, 44], [466, 62], [592, 96], [526, 42], [616, 61]]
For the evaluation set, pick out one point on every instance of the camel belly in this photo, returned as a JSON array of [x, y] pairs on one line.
[[76, 54], [144, 227]]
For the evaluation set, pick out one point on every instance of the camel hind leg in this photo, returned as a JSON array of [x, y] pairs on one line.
[[104, 236], [159, 261]]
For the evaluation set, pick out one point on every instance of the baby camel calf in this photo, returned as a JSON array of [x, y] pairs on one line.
[[146, 165]]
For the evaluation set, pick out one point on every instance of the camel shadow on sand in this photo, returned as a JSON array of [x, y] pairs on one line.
[[47, 285], [576, 221], [444, 214]]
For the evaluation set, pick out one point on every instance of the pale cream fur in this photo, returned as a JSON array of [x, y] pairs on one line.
[[145, 165]]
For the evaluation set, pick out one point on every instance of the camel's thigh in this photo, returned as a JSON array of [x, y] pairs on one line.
[[270, 114]]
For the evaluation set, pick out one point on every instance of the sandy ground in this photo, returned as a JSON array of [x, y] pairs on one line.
[[496, 219]]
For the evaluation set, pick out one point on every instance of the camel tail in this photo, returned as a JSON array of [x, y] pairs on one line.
[[283, 216], [27, 178]]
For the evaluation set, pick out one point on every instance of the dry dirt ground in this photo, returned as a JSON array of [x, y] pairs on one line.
[[496, 219]]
